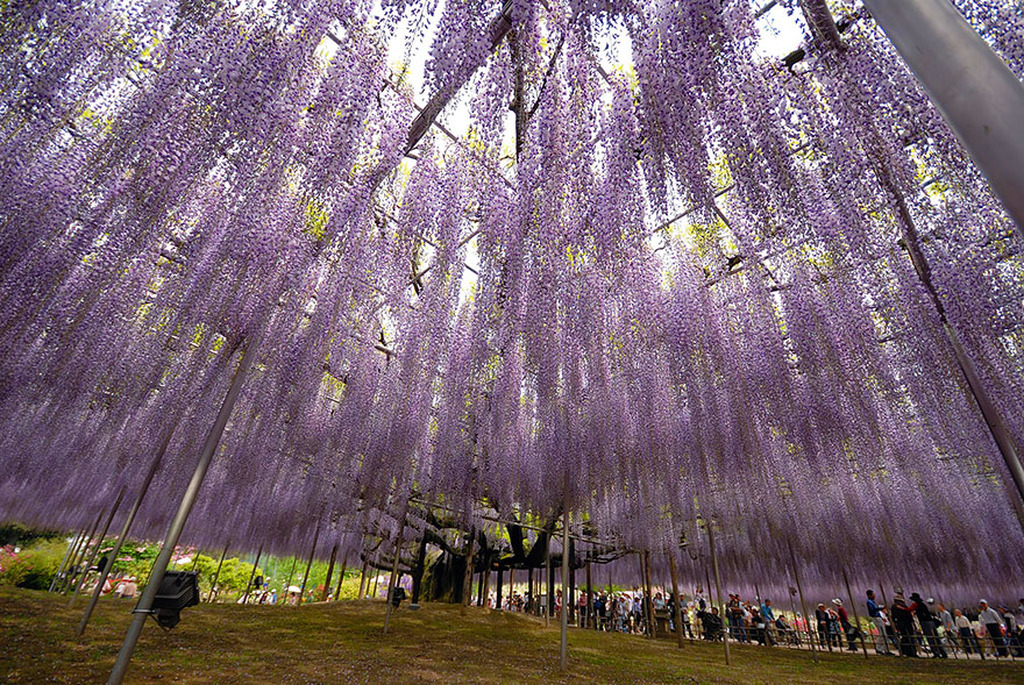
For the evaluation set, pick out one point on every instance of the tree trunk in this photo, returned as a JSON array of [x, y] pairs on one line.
[[497, 603], [417, 574]]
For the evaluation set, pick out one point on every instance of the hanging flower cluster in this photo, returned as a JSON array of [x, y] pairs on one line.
[[661, 297]]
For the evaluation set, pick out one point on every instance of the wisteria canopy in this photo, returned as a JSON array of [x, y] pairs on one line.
[[634, 270]]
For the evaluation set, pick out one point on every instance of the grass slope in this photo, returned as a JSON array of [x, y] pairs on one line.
[[333, 643]]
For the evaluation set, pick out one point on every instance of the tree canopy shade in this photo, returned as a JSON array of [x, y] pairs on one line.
[[633, 270]]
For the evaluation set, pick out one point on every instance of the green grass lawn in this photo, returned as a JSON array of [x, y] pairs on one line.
[[333, 643]]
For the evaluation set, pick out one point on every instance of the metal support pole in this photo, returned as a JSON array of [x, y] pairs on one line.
[[79, 556], [652, 621], [330, 573], [529, 590], [362, 581], [341, 578], [856, 614], [484, 587], [565, 590], [376, 577], [803, 604], [145, 605], [309, 564], [989, 411], [255, 564], [95, 552], [920, 30], [678, 601], [63, 580], [467, 579], [394, 573], [973, 89], [547, 580], [216, 575], [73, 545], [124, 531], [291, 574], [511, 585], [591, 619], [718, 585], [498, 588]]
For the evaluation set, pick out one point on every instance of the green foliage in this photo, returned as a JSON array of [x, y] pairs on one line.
[[234, 576], [13, 566], [136, 559], [33, 566]]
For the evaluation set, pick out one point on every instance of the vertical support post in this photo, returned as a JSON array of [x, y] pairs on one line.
[[79, 556], [309, 564], [330, 573], [565, 590], [973, 89], [95, 552], [529, 590], [591, 619], [983, 101], [570, 602], [652, 620], [362, 580], [485, 580], [549, 581], [73, 545], [678, 600], [255, 564], [511, 585], [216, 576], [856, 614], [803, 604], [291, 574], [394, 572], [990, 413], [341, 578], [498, 588], [145, 605], [718, 584], [467, 579]]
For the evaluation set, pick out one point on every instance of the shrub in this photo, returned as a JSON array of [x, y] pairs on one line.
[[13, 566]]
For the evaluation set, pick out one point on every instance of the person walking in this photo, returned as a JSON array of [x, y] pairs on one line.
[[903, 617], [989, 618], [851, 631], [929, 624], [948, 625], [875, 614], [769, 620], [967, 637]]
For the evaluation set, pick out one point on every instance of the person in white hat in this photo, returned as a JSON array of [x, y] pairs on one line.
[[851, 631]]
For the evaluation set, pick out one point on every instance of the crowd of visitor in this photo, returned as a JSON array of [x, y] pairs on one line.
[[911, 627]]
